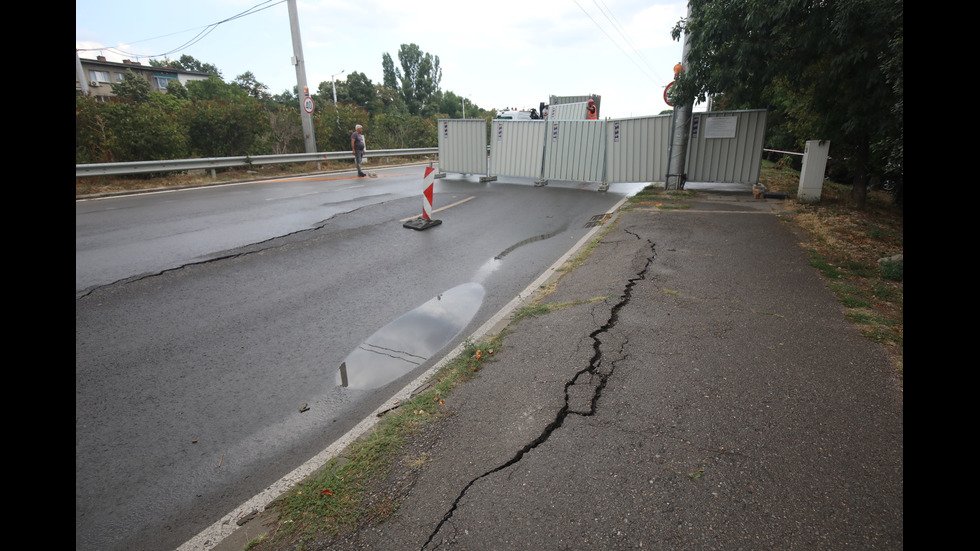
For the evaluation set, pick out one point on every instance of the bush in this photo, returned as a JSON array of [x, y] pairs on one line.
[[891, 269]]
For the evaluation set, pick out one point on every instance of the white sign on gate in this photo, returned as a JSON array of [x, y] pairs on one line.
[[720, 127]]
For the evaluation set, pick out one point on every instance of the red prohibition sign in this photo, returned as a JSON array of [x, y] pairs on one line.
[[667, 101]]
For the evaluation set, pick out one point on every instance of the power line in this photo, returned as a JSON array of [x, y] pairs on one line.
[[622, 32], [642, 69], [205, 31]]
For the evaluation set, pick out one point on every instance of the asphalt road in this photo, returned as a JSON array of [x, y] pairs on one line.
[[206, 319]]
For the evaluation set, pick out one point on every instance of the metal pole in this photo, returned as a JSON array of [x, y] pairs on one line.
[[333, 85], [82, 77], [333, 80], [304, 91], [681, 132]]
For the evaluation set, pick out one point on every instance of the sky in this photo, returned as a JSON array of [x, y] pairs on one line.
[[498, 54]]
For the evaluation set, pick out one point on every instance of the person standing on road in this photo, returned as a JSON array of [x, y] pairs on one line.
[[357, 146]]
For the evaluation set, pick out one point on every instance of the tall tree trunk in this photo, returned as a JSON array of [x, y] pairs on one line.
[[859, 189]]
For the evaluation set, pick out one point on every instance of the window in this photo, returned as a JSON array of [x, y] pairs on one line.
[[162, 81], [99, 76]]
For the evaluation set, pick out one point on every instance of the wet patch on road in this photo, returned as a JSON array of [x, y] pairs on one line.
[[406, 343]]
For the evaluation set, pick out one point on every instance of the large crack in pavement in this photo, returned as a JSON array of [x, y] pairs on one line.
[[582, 392], [274, 242]]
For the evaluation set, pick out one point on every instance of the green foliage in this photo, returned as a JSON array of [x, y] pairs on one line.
[[251, 85], [360, 89], [892, 270], [132, 89], [177, 90], [122, 131], [333, 126], [213, 118], [218, 128], [401, 130], [388, 71], [828, 69], [213, 88], [188, 63], [285, 131], [418, 78]]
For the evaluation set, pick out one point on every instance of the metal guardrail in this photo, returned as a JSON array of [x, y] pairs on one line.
[[143, 167]]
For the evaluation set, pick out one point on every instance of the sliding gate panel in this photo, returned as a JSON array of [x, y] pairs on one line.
[[463, 146], [517, 148], [637, 149], [568, 112], [574, 151], [726, 146]]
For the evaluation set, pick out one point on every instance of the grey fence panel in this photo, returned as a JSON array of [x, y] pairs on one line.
[[637, 149], [568, 111], [726, 146], [463, 146], [574, 150], [517, 148], [562, 100]]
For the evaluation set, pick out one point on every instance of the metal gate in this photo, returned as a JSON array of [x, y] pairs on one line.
[[637, 148], [463, 146], [725, 146], [517, 148]]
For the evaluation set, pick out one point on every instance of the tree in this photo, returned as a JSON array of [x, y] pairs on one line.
[[326, 91], [386, 100], [187, 63], [222, 128], [388, 70], [177, 90], [213, 88], [360, 90], [828, 66], [418, 78], [287, 98], [122, 131], [133, 88], [286, 131], [247, 81]]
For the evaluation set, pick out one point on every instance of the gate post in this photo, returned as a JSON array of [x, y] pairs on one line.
[[814, 168]]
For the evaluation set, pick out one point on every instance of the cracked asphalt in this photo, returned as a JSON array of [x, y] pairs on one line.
[[716, 398]]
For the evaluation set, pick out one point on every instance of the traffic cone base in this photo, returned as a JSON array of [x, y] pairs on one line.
[[421, 223], [424, 222]]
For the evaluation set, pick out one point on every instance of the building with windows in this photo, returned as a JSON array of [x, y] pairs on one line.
[[94, 77]]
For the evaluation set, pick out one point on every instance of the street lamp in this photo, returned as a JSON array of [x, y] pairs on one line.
[[332, 85]]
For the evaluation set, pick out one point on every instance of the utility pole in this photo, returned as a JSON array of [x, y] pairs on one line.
[[305, 101], [681, 133], [82, 77]]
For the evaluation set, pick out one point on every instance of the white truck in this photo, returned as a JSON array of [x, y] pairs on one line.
[[517, 115]]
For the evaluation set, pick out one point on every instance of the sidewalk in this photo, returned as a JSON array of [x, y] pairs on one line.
[[715, 399]]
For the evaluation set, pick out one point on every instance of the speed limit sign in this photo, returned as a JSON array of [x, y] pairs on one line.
[[308, 104]]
